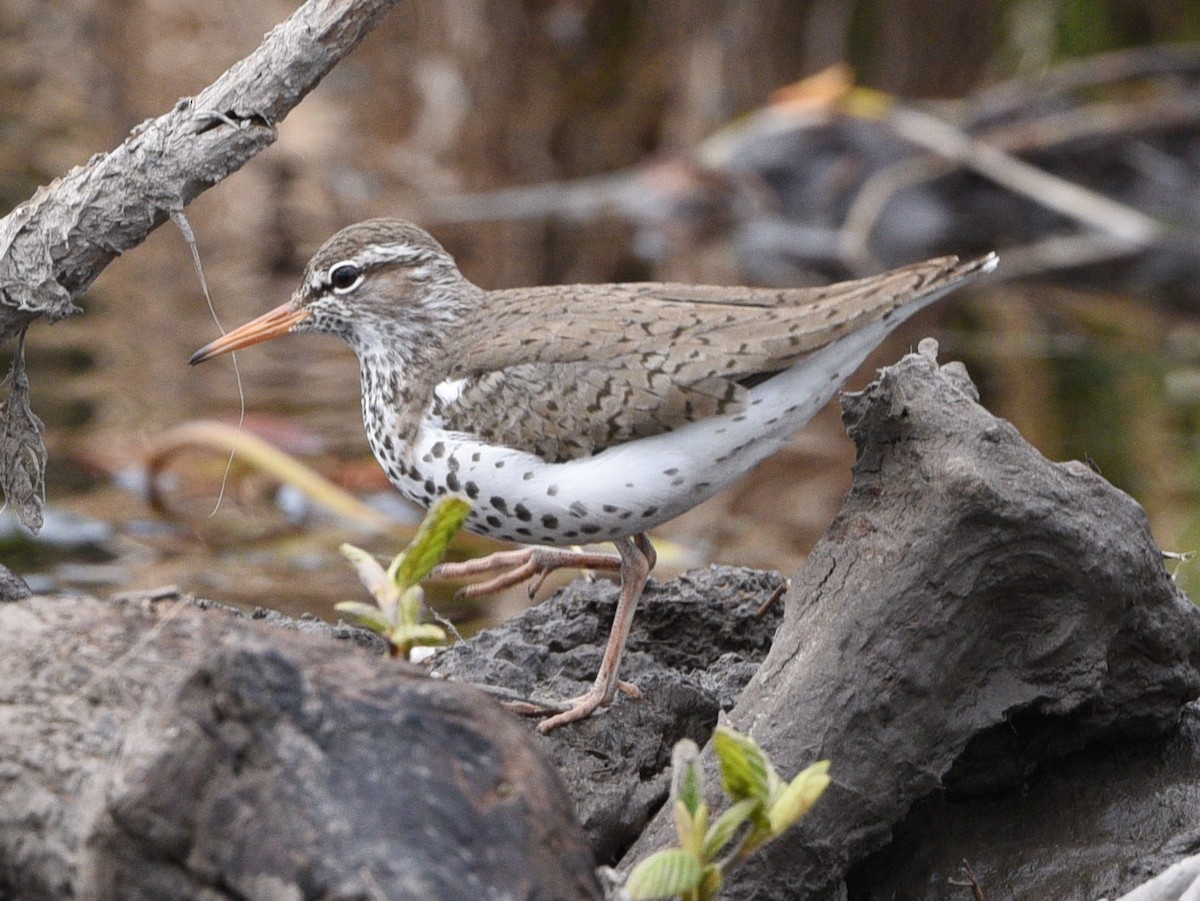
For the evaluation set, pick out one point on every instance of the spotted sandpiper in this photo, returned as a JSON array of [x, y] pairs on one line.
[[580, 413]]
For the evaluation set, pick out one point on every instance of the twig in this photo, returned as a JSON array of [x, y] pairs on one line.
[[773, 599], [1074, 201], [1110, 68], [262, 455], [1106, 120], [1120, 222]]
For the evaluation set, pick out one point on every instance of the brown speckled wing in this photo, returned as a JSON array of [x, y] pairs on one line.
[[566, 371], [563, 411]]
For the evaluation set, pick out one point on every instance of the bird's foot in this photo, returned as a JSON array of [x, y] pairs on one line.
[[636, 557], [571, 710], [520, 704], [514, 567]]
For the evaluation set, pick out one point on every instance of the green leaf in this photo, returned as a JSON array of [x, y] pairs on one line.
[[774, 783], [685, 825], [373, 577], [366, 615], [691, 829], [701, 821], [745, 770], [725, 826], [664, 874], [438, 528], [422, 634], [411, 605], [798, 797], [711, 882], [687, 783]]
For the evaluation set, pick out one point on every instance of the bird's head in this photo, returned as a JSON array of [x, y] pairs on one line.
[[382, 282]]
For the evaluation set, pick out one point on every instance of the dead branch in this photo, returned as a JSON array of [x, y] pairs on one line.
[[1117, 220], [54, 245], [1011, 97]]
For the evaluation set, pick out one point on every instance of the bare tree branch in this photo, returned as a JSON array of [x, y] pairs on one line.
[[1105, 70], [54, 245], [1120, 223]]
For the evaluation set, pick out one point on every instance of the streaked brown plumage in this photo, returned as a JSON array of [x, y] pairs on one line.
[[584, 412]]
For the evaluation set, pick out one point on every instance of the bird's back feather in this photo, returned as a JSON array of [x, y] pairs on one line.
[[564, 372]]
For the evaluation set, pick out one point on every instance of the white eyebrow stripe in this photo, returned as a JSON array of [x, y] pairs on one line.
[[378, 254], [368, 258]]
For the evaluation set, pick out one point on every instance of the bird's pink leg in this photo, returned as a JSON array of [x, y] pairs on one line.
[[637, 558], [634, 559], [515, 567]]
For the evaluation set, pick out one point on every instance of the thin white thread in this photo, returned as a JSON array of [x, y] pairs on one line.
[[190, 238]]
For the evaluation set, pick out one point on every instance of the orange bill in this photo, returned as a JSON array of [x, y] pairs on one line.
[[272, 324]]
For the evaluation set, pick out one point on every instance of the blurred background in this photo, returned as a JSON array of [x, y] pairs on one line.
[[781, 142]]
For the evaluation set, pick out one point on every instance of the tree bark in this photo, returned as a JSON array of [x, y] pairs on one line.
[[973, 612]]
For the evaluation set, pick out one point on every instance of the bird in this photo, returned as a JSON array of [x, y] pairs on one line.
[[579, 414]]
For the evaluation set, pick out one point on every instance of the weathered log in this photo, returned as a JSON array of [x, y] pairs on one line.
[[972, 611]]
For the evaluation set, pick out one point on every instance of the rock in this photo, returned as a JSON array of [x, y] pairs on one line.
[[695, 643], [155, 750], [12, 586], [1093, 824], [985, 644]]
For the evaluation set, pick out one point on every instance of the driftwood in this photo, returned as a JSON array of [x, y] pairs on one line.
[[986, 644], [973, 611], [54, 245]]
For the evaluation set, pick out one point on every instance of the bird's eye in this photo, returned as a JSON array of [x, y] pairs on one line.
[[344, 277]]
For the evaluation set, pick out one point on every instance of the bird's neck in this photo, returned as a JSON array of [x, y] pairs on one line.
[[395, 396], [402, 359]]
